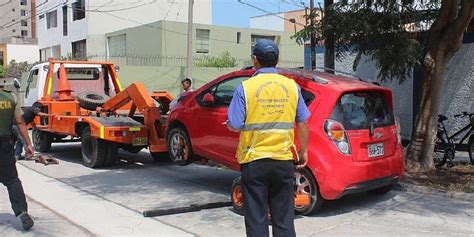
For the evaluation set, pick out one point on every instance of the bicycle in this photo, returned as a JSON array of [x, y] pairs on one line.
[[446, 146]]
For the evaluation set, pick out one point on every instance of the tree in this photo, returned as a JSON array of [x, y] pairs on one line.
[[16, 69], [400, 35]]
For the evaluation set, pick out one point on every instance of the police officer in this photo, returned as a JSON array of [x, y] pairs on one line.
[[264, 110], [10, 112]]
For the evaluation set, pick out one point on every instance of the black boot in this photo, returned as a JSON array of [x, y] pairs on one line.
[[26, 220]]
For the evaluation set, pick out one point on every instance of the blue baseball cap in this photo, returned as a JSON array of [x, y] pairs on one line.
[[266, 50]]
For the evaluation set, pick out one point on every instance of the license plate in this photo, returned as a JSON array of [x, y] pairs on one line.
[[375, 150], [140, 141]]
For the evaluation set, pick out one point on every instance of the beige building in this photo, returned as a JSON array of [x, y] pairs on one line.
[[18, 19]]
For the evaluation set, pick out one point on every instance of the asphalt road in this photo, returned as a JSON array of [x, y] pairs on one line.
[[137, 183]]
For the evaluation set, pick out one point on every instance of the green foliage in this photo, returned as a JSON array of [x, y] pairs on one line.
[[1, 71], [15, 69], [223, 60], [379, 30]]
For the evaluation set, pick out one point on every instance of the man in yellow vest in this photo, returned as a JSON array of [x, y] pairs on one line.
[[264, 110], [10, 112]]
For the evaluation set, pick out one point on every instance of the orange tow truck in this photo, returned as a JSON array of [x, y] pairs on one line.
[[86, 101]]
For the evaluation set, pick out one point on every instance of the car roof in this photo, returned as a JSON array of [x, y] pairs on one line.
[[330, 81]]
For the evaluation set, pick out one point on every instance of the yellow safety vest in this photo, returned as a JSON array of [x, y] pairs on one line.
[[268, 132]]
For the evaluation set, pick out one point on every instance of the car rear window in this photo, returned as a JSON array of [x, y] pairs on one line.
[[360, 110]]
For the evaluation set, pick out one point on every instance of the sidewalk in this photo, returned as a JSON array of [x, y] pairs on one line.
[[47, 223], [99, 216]]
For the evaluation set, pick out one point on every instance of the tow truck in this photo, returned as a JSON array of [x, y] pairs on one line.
[[86, 103]]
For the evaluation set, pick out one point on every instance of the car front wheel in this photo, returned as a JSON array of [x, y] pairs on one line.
[[179, 147]]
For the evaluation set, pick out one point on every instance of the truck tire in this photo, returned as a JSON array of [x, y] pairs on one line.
[[42, 140], [94, 150], [111, 156], [91, 100], [179, 147]]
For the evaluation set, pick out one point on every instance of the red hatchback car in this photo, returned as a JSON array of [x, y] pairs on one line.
[[354, 146]]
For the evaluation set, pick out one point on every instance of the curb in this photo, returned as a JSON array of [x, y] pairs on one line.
[[407, 187]]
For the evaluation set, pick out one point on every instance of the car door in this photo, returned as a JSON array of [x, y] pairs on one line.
[[216, 141]]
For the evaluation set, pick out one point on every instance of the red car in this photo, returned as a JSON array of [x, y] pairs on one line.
[[354, 146]]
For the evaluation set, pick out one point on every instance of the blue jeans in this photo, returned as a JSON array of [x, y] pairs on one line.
[[18, 148], [20, 143]]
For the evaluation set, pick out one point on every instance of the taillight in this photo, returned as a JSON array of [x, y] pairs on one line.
[[336, 132], [399, 129]]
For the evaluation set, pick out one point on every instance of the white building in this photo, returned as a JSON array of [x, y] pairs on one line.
[[77, 28]]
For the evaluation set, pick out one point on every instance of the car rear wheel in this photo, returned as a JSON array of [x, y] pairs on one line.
[[42, 140], [179, 147], [305, 184], [237, 198], [95, 152]]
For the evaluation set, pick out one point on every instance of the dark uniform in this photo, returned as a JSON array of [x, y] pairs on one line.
[[8, 172]]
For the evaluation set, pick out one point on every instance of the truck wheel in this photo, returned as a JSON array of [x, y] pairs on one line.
[[91, 100], [111, 153], [306, 184], [237, 197], [42, 140], [179, 147], [94, 150]]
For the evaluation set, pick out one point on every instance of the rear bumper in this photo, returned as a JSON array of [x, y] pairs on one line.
[[369, 185], [342, 176]]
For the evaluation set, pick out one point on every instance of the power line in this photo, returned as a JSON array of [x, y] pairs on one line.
[[9, 24], [268, 12]]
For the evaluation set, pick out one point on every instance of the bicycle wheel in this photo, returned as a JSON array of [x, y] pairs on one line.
[[439, 155]]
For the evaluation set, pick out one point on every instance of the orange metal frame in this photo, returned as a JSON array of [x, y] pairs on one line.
[[67, 112]]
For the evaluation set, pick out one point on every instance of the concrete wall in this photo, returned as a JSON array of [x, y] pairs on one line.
[[145, 40], [104, 16], [53, 37], [99, 24], [268, 22], [8, 15], [22, 53], [168, 78], [458, 91]]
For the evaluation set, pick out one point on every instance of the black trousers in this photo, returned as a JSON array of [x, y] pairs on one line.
[[268, 185], [9, 176]]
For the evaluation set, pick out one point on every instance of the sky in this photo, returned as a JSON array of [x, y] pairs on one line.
[[233, 13]]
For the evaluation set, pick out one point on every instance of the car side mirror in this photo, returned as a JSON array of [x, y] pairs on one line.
[[208, 99]]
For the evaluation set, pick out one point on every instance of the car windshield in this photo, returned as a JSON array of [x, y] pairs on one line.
[[360, 110]]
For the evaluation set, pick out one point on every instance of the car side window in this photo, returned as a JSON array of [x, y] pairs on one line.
[[224, 91]]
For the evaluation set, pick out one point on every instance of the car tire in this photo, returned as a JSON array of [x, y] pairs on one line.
[[179, 147], [42, 140], [94, 150], [91, 100], [471, 149], [306, 183], [380, 190], [236, 197]]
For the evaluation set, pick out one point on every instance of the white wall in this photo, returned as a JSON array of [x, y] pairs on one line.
[[268, 22], [22, 53], [104, 16], [77, 30], [144, 13]]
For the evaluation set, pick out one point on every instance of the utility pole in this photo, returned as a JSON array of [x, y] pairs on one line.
[[189, 59], [329, 44], [313, 36]]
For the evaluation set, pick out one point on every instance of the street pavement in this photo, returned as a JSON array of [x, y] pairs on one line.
[[110, 202]]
